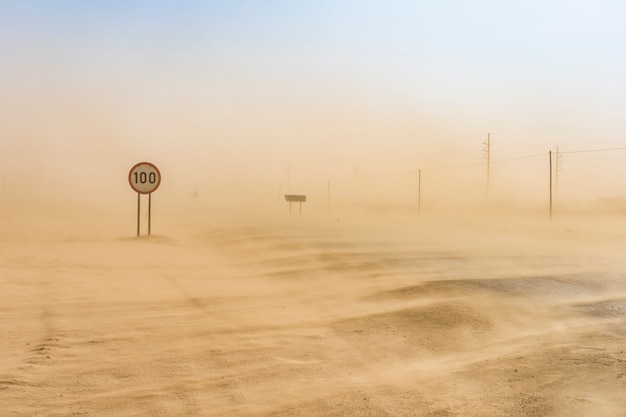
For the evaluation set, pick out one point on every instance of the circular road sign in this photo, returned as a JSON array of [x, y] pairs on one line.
[[144, 177]]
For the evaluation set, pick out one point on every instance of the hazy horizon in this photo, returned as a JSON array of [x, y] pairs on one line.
[[240, 102]]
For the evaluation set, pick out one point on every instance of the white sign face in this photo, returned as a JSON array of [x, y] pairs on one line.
[[144, 177]]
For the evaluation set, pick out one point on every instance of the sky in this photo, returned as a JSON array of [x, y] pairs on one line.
[[289, 95]]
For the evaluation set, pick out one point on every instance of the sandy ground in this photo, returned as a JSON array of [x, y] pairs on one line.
[[297, 318]]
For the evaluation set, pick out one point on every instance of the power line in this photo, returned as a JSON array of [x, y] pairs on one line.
[[520, 157], [397, 174], [453, 167], [492, 162], [597, 150], [448, 168]]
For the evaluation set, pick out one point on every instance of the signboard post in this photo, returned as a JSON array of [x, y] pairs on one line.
[[295, 198], [144, 178]]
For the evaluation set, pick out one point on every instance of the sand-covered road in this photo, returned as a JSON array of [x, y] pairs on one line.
[[297, 319]]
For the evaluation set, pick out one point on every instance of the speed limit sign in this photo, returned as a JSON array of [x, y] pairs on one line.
[[144, 177]]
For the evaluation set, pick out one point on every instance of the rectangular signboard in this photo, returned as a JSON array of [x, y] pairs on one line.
[[295, 198]]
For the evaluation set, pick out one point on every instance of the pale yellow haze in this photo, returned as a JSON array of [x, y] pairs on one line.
[[460, 251], [241, 102]]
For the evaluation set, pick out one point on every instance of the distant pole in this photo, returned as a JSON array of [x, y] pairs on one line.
[[289, 177], [328, 197], [487, 156], [419, 192], [550, 156], [556, 173]]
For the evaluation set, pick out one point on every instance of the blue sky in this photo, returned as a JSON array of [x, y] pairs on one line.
[[344, 81], [468, 51]]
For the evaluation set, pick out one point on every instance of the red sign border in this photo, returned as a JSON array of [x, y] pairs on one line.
[[130, 173]]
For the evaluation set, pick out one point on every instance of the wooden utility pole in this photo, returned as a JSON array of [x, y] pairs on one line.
[[550, 156], [419, 192], [487, 156], [289, 177], [329, 198], [557, 168]]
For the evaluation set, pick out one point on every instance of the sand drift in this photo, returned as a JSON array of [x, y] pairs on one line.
[[296, 320]]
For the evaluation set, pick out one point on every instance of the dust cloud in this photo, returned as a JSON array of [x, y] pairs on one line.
[[359, 306], [416, 280], [406, 285]]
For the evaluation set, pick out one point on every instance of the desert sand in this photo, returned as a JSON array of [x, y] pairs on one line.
[[303, 316]]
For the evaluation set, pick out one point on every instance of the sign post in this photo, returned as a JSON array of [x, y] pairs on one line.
[[295, 198], [144, 178]]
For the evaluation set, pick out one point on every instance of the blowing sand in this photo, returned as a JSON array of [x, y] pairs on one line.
[[301, 318]]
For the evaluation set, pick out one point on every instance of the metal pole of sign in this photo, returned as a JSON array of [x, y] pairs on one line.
[[138, 213], [149, 212], [300, 209]]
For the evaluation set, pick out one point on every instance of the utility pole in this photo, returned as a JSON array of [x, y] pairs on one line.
[[557, 168], [550, 156], [419, 192], [487, 156], [329, 198]]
